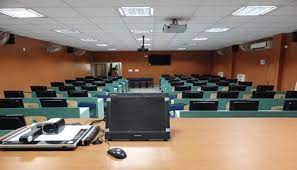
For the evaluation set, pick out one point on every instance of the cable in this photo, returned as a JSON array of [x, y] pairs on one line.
[[104, 140], [97, 121]]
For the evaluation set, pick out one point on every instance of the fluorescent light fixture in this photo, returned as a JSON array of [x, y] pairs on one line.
[[217, 30], [200, 39], [145, 39], [136, 11], [253, 10], [102, 45], [182, 48], [67, 31], [89, 40], [111, 49], [193, 44], [21, 13], [147, 44], [136, 31]]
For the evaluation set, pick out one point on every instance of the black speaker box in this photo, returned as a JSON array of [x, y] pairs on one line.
[[294, 36], [70, 50], [11, 39]]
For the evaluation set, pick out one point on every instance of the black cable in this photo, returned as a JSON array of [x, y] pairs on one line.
[[104, 140], [97, 121]]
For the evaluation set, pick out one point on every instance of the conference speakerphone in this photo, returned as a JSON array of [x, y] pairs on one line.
[[137, 116]]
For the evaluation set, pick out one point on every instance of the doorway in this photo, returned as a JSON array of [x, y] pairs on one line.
[[107, 68]]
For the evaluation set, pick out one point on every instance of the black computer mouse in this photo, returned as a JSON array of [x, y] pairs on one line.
[[117, 153]]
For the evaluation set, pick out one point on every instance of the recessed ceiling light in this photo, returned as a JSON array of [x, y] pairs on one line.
[[102, 45], [67, 31], [253, 10], [89, 40], [111, 49], [145, 39], [200, 39], [136, 31], [136, 11], [21, 13], [182, 48], [217, 30]]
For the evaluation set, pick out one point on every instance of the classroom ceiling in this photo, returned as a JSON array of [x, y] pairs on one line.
[[100, 20]]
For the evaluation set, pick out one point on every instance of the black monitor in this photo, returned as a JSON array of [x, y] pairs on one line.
[[195, 75], [11, 103], [79, 83], [99, 83], [227, 94], [80, 79], [57, 84], [12, 122], [89, 88], [77, 94], [89, 77], [213, 80], [244, 105], [263, 88], [14, 94], [102, 77], [290, 105], [53, 102], [98, 79], [204, 105], [89, 80], [179, 83], [66, 88], [182, 88], [203, 78], [237, 88], [138, 116], [264, 95], [192, 94], [245, 83], [209, 88], [46, 93], [223, 83], [222, 78], [191, 80], [291, 94], [199, 83], [38, 88], [70, 81], [232, 80], [185, 78]]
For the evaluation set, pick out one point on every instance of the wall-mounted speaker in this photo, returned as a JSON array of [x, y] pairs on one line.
[[11, 39], [235, 48], [294, 36], [70, 50]]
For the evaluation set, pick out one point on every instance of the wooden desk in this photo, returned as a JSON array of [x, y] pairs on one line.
[[197, 144]]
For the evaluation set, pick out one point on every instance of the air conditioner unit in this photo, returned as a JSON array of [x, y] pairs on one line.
[[261, 45]]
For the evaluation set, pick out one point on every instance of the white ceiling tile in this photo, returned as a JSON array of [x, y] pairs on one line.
[[97, 12], [285, 10], [172, 11], [44, 3], [106, 20], [57, 12], [204, 20], [142, 20], [215, 11]]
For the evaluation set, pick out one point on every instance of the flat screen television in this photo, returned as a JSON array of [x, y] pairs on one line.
[[263, 94], [77, 94], [263, 88], [14, 94], [244, 105], [204, 105], [66, 88], [46, 93], [227, 94], [159, 59], [57, 84], [137, 116], [11, 103], [237, 88], [53, 102], [38, 88], [209, 88], [192, 94], [290, 105]]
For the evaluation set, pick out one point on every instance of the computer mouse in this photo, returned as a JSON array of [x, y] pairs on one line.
[[117, 153]]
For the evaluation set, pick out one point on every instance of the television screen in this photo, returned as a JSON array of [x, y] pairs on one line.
[[160, 59]]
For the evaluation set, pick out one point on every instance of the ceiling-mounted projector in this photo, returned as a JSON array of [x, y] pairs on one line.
[[143, 49], [174, 27]]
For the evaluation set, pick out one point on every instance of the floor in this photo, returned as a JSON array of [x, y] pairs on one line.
[[145, 90]]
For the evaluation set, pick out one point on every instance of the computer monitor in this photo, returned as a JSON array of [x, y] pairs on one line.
[[204, 105], [191, 80], [179, 83], [88, 80], [79, 79], [213, 80], [195, 75], [244, 105], [237, 88], [66, 88], [290, 105], [53, 102], [232, 80], [185, 78], [98, 79], [182, 88], [89, 77], [192, 94], [263, 88], [14, 94], [223, 83], [245, 83], [79, 83], [11, 122], [11, 103], [70, 81], [47, 93], [57, 84], [263, 94], [227, 94], [199, 83], [38, 88], [89, 88], [222, 78], [209, 88], [203, 78], [77, 94], [137, 116], [291, 94], [102, 77], [99, 83]]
